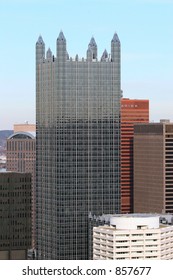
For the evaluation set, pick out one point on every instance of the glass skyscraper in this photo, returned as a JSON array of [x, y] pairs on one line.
[[77, 145]]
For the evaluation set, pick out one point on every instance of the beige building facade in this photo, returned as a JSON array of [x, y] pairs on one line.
[[133, 236], [25, 127], [21, 152]]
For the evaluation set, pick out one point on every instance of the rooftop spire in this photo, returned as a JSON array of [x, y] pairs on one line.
[[49, 53], [115, 49], [61, 37], [92, 43], [40, 49], [104, 55], [115, 38], [93, 48], [40, 40], [61, 51]]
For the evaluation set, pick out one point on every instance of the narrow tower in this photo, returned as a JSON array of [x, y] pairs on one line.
[[115, 49], [92, 49], [40, 50], [61, 51]]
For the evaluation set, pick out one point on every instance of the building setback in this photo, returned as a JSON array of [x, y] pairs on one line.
[[132, 111], [15, 215], [77, 127], [153, 168]]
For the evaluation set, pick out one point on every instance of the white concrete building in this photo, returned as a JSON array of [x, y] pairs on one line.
[[133, 236]]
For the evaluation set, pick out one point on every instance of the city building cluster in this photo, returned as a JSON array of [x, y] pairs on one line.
[[93, 179]]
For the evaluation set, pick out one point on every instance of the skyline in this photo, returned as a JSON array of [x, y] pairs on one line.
[[143, 26]]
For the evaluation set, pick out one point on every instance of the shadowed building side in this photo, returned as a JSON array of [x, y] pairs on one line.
[[153, 168], [15, 215]]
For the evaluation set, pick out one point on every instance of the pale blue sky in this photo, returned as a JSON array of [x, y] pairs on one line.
[[145, 29]]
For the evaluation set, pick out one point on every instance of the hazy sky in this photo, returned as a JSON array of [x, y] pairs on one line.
[[145, 29]]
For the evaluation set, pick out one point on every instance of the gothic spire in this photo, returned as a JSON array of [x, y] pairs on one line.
[[40, 41], [49, 53], [104, 55], [92, 43], [115, 48], [115, 38], [40, 49], [93, 47], [61, 51], [61, 37]]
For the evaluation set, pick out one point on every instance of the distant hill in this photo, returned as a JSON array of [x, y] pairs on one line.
[[4, 134]]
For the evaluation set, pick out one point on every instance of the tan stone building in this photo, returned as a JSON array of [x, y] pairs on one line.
[[153, 168], [21, 152], [25, 127], [21, 157]]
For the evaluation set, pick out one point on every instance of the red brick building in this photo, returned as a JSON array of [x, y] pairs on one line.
[[132, 111]]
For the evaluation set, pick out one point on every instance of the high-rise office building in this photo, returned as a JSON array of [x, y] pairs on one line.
[[153, 168], [77, 145], [15, 215], [132, 111]]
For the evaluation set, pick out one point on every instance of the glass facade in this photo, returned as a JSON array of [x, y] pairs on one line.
[[77, 128]]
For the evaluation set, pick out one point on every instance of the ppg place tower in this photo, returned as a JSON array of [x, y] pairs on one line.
[[77, 145]]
